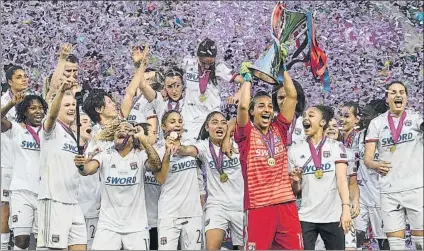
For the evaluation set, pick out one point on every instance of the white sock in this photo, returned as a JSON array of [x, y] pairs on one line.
[[5, 241], [18, 248], [418, 242], [396, 243]]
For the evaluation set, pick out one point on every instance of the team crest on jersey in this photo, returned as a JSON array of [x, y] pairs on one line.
[[297, 131], [251, 246], [133, 166], [163, 241], [137, 106], [14, 218], [408, 123], [326, 154], [55, 238]]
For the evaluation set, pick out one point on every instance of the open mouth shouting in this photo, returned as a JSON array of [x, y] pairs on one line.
[[38, 118], [88, 130], [266, 118], [306, 124], [398, 101], [220, 133]]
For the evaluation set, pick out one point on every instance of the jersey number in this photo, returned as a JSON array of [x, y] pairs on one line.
[[147, 243], [199, 238], [93, 232]]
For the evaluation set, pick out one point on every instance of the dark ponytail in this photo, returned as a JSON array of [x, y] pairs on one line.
[[327, 114]]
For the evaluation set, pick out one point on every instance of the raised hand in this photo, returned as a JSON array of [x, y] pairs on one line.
[[67, 83], [139, 133], [18, 98], [140, 57], [171, 145], [65, 50]]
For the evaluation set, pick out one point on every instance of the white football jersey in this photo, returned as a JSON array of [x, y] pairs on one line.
[[141, 110], [407, 160], [89, 188], [296, 129], [367, 178], [6, 144], [226, 195], [194, 111], [321, 201], [59, 177], [180, 196], [123, 204], [152, 189], [26, 158]]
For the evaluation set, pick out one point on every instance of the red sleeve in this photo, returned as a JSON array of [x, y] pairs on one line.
[[282, 125], [242, 133]]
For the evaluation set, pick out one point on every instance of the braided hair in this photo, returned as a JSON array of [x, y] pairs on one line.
[[207, 48]]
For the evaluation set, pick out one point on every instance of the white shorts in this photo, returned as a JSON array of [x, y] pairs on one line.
[[109, 240], [23, 212], [396, 208], [187, 230], [6, 179], [370, 216], [218, 218], [60, 225], [350, 237], [91, 224]]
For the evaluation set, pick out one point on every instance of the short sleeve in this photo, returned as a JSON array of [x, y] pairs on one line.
[[241, 133], [224, 72], [340, 153], [202, 149], [418, 118], [149, 111], [142, 156], [373, 131], [158, 106], [99, 158], [292, 160], [14, 130], [352, 163], [49, 135]]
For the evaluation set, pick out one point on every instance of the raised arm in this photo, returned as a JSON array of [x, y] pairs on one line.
[[243, 106], [162, 174], [130, 92], [64, 52], [142, 59], [287, 108], [56, 104], [16, 99]]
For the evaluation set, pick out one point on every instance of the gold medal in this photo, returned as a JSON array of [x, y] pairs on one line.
[[319, 174], [223, 177], [271, 162], [202, 98], [393, 148]]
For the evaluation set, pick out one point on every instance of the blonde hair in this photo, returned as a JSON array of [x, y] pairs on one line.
[[108, 131]]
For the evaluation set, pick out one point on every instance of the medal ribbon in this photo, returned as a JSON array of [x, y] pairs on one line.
[[348, 141], [203, 80], [290, 134], [35, 135], [177, 106], [396, 131], [268, 141], [67, 130], [316, 154], [218, 160]]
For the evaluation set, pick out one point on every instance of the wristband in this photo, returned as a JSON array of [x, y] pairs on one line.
[[233, 77]]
